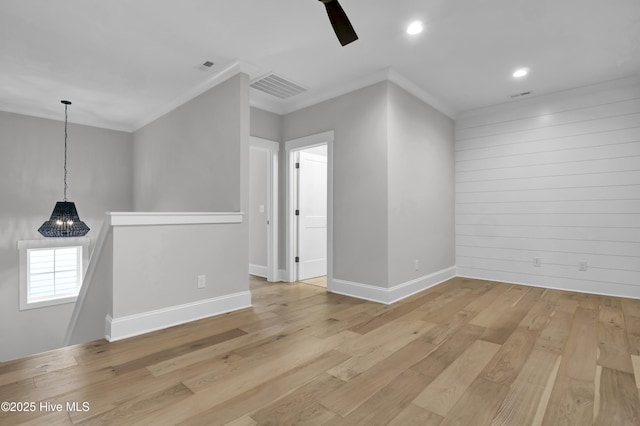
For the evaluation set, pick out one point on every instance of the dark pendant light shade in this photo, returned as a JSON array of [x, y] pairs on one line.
[[64, 221]]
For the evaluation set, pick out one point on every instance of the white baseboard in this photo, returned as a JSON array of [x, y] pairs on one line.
[[261, 271], [258, 270], [358, 290], [554, 283], [409, 288], [134, 325], [391, 294]]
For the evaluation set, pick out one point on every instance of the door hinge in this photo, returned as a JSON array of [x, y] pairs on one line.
[[297, 165], [297, 212], [297, 259]]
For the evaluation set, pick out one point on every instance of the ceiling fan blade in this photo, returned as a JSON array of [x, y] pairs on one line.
[[340, 23]]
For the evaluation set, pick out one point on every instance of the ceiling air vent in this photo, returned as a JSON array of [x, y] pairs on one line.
[[278, 86]]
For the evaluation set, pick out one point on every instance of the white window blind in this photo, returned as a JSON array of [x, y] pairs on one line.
[[54, 273]]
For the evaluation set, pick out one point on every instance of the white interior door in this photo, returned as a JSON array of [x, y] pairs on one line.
[[263, 209], [312, 218], [258, 211]]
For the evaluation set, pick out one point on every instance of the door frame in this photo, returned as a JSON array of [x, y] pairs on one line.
[[273, 148], [291, 147]]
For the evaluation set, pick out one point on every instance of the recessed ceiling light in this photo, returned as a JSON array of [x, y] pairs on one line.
[[521, 72], [415, 28]]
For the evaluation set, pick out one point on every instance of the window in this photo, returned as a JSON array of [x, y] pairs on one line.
[[51, 271]]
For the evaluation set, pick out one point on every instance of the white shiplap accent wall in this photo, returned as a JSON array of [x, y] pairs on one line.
[[554, 177]]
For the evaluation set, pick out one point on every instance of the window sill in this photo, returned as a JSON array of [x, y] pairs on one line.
[[49, 302]]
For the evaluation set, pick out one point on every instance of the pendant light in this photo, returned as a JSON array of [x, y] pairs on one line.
[[64, 221]]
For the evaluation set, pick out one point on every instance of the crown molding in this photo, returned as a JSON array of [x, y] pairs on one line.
[[79, 118], [616, 84], [331, 93], [400, 80], [387, 74]]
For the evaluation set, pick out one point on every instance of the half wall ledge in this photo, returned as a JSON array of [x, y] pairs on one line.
[[123, 272], [171, 218]]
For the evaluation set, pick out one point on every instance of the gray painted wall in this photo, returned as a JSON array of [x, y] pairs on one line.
[[359, 120], [266, 125], [99, 178], [421, 188], [140, 282], [393, 183], [195, 158], [190, 158]]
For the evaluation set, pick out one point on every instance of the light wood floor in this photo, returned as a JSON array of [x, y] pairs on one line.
[[319, 281], [466, 352]]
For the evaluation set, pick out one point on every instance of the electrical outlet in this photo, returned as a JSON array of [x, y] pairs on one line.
[[537, 262], [202, 281], [582, 265], [416, 264]]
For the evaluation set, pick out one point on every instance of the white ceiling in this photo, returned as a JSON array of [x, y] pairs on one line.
[[125, 62]]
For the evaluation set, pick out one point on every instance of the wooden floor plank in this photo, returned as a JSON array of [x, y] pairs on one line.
[[436, 362], [413, 415], [571, 403], [520, 405], [101, 353], [472, 351], [507, 363], [170, 353], [448, 387], [630, 307], [357, 390], [245, 376], [543, 404], [618, 399], [264, 395], [442, 332], [389, 401], [613, 347], [243, 421], [478, 404], [138, 408], [300, 406], [207, 353], [403, 307], [369, 349], [499, 330], [504, 301], [481, 303], [35, 419], [22, 387], [15, 372], [580, 353], [441, 312], [635, 360], [553, 336]]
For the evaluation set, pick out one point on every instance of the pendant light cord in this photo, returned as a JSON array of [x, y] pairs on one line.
[[65, 151]]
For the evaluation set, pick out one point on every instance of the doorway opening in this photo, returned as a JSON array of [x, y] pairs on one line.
[[310, 209], [263, 209]]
